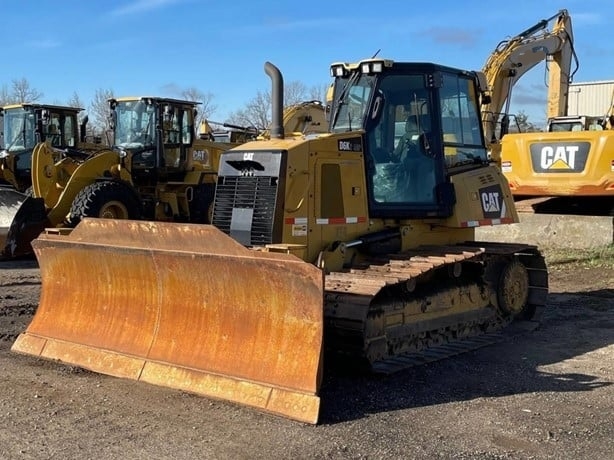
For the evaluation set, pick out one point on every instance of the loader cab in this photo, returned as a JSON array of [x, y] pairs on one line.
[[419, 122], [154, 134], [25, 125]]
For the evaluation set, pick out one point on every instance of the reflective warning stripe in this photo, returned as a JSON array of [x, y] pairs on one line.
[[484, 222], [327, 221], [341, 220], [296, 220]]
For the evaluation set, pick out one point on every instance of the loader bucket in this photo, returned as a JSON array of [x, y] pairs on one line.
[[22, 218], [183, 306]]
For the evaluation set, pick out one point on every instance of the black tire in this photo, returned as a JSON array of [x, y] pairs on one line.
[[200, 206], [107, 199]]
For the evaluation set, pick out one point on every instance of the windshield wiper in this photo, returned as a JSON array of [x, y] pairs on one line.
[[341, 99]]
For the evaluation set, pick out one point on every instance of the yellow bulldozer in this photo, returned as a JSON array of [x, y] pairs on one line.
[[356, 245], [26, 125]]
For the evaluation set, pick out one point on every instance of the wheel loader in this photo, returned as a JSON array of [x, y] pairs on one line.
[[26, 125], [354, 246], [156, 169]]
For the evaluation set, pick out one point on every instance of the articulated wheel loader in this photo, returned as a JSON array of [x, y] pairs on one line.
[[25, 126], [354, 246], [155, 170]]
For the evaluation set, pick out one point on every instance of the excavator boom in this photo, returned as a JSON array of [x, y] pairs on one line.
[[514, 57]]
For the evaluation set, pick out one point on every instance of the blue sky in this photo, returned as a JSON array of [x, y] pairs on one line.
[[158, 47]]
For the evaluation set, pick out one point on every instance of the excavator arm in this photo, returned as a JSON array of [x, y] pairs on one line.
[[514, 57]]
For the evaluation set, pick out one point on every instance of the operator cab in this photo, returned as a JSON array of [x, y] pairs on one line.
[[25, 125], [156, 134], [575, 123], [421, 124]]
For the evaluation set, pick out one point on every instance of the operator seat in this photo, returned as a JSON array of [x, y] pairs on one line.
[[408, 140]]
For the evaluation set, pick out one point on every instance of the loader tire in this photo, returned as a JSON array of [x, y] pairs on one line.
[[201, 204], [108, 199]]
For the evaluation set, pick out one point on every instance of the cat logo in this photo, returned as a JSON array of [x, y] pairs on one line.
[[491, 199], [490, 202], [559, 157]]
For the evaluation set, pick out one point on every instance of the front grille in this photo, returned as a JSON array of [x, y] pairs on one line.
[[258, 193]]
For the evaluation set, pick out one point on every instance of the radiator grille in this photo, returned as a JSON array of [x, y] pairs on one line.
[[248, 192]]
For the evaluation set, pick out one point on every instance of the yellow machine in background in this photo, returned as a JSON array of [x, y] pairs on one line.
[[26, 125], [357, 244], [156, 170], [574, 159], [513, 58], [307, 117]]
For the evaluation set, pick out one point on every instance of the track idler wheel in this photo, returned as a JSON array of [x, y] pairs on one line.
[[513, 290]]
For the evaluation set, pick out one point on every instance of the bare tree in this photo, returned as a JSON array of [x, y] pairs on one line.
[[5, 96], [319, 93], [206, 106], [75, 101], [257, 112], [20, 91], [99, 110], [23, 92]]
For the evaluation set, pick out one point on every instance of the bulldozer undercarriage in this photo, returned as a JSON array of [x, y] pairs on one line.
[[395, 312]]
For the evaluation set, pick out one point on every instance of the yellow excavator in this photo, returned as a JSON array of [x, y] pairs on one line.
[[513, 58], [25, 125], [572, 161], [356, 246]]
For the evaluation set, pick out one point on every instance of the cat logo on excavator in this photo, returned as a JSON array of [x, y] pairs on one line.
[[559, 156]]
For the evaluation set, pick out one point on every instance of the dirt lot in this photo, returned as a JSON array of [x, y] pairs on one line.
[[546, 394]]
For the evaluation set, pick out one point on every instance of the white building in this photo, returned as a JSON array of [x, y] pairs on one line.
[[593, 98]]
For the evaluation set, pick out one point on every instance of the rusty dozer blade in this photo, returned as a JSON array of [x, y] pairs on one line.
[[183, 306], [25, 218]]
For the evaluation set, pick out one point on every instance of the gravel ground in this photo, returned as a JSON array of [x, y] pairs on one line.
[[544, 395]]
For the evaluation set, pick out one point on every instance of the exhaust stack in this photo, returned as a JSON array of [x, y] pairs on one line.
[[277, 100]]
